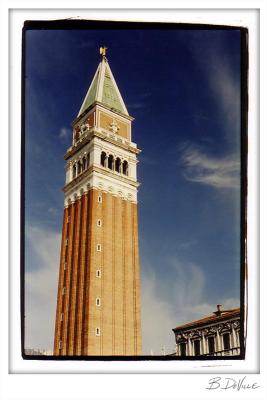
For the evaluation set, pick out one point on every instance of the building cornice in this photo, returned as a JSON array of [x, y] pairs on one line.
[[206, 330], [207, 324]]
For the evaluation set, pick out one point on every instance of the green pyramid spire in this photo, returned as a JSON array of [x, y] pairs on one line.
[[104, 90], [91, 94]]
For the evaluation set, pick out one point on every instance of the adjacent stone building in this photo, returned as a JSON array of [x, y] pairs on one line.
[[215, 335], [98, 301]]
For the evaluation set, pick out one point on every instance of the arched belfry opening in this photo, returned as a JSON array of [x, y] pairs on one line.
[[84, 164], [79, 167], [103, 160], [74, 171], [111, 162], [118, 165], [125, 167]]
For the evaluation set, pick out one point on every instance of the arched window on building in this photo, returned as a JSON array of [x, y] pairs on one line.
[[84, 164], [74, 171], [110, 162], [125, 167], [88, 160], [79, 167], [103, 159], [118, 165]]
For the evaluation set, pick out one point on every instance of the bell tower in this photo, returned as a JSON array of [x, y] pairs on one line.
[[98, 300]]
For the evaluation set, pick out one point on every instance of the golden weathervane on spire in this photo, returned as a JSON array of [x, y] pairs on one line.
[[103, 51]]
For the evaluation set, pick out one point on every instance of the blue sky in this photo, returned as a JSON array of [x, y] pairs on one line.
[[183, 89]]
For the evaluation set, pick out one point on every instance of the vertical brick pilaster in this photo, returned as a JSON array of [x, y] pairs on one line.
[[67, 279], [81, 283], [113, 274], [106, 277], [73, 283], [93, 345], [124, 267], [57, 336], [129, 280], [85, 324], [136, 280], [118, 294], [100, 282]]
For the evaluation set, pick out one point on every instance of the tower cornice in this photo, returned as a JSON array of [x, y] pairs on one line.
[[115, 140], [97, 103]]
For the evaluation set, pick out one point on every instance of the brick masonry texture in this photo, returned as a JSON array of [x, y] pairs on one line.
[[118, 288]]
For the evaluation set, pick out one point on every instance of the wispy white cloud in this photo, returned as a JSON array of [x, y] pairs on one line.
[[226, 89], [165, 306], [223, 81], [220, 173], [141, 104], [64, 133], [136, 106], [53, 211], [148, 160], [158, 318], [185, 245], [145, 95], [41, 288]]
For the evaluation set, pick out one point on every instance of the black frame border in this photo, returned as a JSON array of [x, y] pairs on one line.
[[244, 68]]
